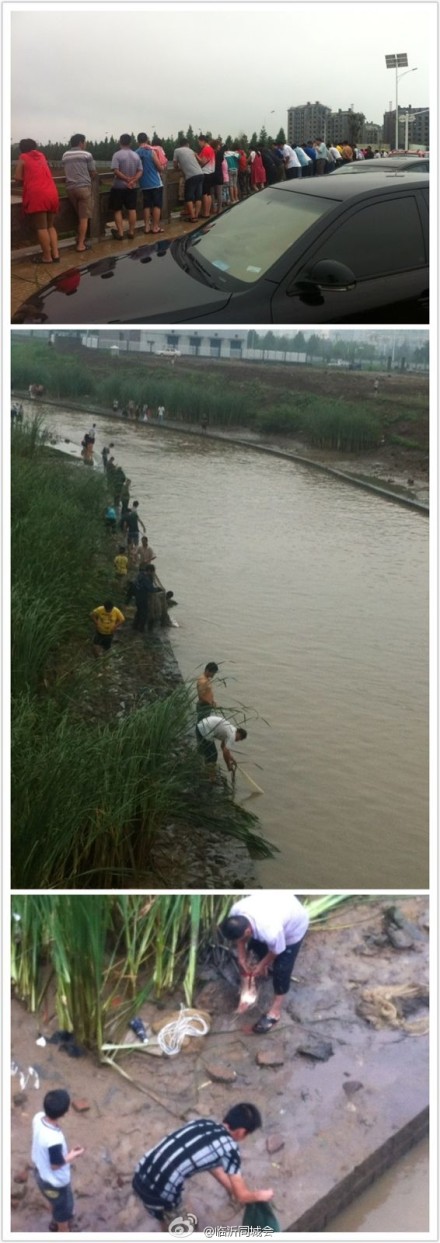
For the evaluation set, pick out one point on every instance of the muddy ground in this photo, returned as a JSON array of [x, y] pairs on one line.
[[320, 1118]]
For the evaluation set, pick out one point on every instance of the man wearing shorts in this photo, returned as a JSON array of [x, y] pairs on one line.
[[201, 1145], [107, 619], [151, 184], [52, 1160], [79, 170], [206, 158], [231, 158], [187, 162], [271, 926], [128, 170]]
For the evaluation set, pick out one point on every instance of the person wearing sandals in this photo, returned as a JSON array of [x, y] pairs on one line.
[[272, 927], [151, 184], [79, 171], [40, 200], [127, 169]]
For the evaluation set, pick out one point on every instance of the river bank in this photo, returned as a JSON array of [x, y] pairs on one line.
[[114, 780], [313, 604], [398, 473], [334, 1118]]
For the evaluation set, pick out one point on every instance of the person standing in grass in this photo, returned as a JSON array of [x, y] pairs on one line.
[[205, 693], [52, 1160], [200, 1146], [271, 926], [106, 619], [121, 562]]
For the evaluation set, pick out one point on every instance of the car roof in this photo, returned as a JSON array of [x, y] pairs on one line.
[[384, 165], [339, 188]]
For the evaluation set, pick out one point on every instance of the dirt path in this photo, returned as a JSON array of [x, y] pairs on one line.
[[319, 1118]]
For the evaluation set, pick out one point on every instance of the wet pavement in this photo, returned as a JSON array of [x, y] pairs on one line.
[[27, 277], [323, 1121]]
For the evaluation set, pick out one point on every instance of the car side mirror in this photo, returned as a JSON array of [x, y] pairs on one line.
[[330, 274], [325, 276]]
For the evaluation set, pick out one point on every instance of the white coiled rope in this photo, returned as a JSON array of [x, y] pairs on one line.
[[172, 1036]]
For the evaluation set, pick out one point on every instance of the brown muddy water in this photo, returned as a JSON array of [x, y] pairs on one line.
[[401, 1195], [312, 596]]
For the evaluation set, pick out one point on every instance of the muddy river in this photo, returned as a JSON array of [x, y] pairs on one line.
[[402, 1194], [312, 596]]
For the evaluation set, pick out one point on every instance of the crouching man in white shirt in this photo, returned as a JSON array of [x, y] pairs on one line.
[[273, 927], [212, 728]]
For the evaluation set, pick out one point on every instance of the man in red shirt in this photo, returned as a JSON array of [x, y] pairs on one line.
[[206, 158]]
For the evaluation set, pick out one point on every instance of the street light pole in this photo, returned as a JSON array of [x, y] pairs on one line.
[[397, 60]]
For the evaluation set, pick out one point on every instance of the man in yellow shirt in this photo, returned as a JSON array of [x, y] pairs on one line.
[[107, 619], [121, 562]]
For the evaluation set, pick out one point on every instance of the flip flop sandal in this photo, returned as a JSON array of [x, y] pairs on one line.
[[119, 237], [157, 230], [44, 262], [57, 260], [131, 235], [265, 1024]]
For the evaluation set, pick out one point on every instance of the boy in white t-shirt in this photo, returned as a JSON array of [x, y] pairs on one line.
[[51, 1158]]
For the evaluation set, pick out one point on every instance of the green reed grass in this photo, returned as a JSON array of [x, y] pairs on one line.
[[90, 796], [105, 954]]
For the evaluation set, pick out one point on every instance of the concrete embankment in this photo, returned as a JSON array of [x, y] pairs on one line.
[[252, 441]]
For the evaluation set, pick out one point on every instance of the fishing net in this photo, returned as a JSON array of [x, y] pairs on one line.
[[261, 1216]]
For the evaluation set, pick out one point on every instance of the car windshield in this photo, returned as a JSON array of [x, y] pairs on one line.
[[246, 241]]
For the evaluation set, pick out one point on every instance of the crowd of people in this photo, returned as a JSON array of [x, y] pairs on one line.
[[267, 932], [213, 177], [135, 556]]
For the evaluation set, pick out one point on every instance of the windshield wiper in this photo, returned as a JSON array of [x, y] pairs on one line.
[[200, 267]]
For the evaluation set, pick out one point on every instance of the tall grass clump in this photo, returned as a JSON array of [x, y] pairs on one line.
[[57, 537], [61, 375], [341, 426], [103, 955]]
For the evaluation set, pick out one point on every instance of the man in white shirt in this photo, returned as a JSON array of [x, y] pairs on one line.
[[272, 926], [217, 727], [290, 160], [335, 157]]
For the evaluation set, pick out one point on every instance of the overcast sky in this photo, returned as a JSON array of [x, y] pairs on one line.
[[223, 68]]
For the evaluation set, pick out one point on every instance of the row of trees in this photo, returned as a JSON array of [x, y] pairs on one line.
[[315, 346], [103, 148]]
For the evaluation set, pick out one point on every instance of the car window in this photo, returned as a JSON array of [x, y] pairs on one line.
[[248, 240], [380, 238]]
